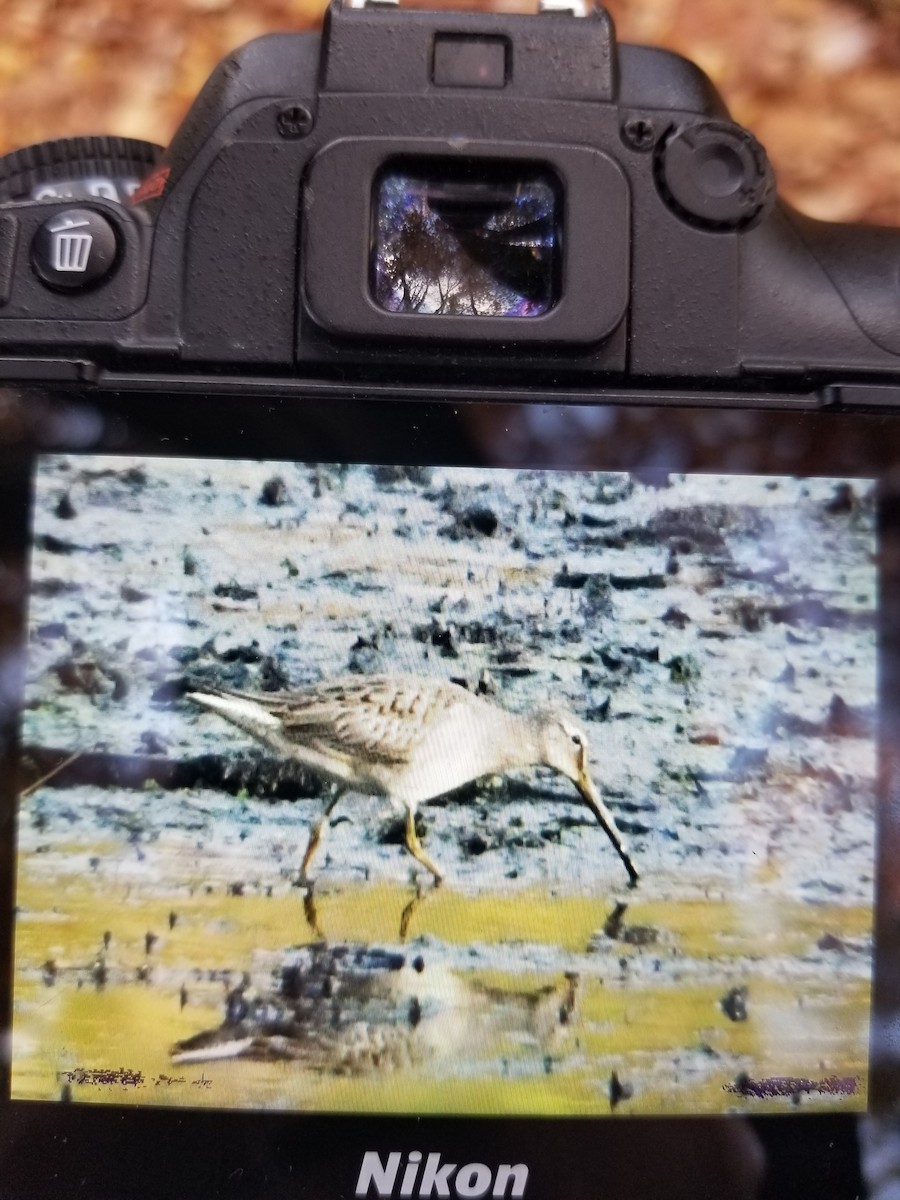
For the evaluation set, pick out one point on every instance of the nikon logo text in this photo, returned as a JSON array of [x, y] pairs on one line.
[[434, 1178]]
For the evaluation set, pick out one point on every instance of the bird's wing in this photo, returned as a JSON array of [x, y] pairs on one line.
[[380, 718]]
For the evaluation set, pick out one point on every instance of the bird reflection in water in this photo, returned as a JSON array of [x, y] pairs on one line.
[[354, 1009]]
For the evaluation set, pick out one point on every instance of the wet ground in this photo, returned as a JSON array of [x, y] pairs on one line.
[[715, 636]]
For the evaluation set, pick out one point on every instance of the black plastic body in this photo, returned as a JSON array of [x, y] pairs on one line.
[[246, 249]]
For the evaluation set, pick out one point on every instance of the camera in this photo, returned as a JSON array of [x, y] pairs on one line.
[[449, 676]]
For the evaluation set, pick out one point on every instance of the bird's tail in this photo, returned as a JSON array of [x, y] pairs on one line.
[[241, 710]]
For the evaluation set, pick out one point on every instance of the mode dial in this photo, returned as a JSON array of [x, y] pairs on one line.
[[77, 168]]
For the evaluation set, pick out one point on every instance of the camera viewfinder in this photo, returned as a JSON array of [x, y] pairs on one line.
[[453, 241]]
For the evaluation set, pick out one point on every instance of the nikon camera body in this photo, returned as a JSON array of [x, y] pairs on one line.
[[593, 216], [445, 465]]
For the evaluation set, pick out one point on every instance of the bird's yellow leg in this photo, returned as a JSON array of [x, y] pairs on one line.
[[316, 834], [315, 839], [414, 846]]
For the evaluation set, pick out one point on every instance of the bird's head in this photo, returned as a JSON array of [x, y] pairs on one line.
[[564, 747]]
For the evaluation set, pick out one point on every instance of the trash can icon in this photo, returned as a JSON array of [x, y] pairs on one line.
[[70, 249]]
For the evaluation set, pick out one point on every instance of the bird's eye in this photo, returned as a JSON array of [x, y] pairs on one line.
[[576, 739]]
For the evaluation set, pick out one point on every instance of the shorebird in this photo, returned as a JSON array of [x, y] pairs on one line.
[[410, 739]]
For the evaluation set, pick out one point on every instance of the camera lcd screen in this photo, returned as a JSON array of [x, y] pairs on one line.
[[447, 243], [710, 639]]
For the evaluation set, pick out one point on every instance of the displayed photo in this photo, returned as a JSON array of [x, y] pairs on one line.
[[459, 790]]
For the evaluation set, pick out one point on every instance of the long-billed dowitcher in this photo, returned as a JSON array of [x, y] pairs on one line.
[[411, 740]]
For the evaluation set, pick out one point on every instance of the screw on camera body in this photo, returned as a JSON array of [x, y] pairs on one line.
[[639, 133], [295, 121]]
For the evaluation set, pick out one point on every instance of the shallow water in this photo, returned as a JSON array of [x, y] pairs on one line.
[[490, 991]]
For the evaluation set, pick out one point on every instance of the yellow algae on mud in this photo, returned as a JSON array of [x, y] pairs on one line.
[[736, 927]]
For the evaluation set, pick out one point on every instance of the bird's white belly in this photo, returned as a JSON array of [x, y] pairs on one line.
[[457, 753]]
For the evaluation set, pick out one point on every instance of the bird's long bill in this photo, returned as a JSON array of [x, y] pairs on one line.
[[607, 821]]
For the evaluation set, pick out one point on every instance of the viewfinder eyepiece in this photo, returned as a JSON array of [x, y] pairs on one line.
[[452, 240]]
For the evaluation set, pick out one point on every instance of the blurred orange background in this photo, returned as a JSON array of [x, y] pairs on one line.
[[818, 81]]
